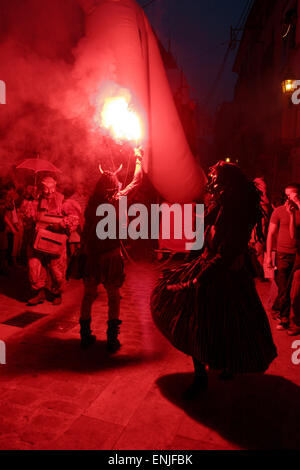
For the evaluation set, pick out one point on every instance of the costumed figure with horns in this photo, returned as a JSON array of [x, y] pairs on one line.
[[47, 258], [209, 308], [103, 258]]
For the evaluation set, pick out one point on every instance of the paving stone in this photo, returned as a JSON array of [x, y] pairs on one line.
[[116, 404], [37, 439], [183, 443], [45, 427], [21, 397], [56, 396], [153, 425], [11, 411], [89, 434], [13, 443], [191, 429], [7, 330], [61, 406], [8, 426], [39, 382], [67, 389]]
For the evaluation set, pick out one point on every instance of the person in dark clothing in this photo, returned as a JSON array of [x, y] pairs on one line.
[[293, 208], [286, 249], [103, 259], [257, 247], [209, 308]]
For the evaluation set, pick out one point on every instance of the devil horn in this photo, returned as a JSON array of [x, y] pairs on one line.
[[100, 169], [119, 169]]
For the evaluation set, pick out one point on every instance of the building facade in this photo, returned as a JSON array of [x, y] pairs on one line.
[[261, 127]]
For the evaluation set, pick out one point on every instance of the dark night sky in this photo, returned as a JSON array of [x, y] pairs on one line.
[[200, 33]]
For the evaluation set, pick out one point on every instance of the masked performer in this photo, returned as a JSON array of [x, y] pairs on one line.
[[209, 308], [104, 263], [47, 253]]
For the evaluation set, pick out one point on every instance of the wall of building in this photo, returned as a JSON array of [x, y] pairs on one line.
[[262, 125]]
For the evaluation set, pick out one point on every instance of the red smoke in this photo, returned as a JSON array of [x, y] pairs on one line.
[[48, 65], [56, 56]]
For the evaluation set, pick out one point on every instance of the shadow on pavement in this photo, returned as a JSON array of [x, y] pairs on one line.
[[46, 354], [253, 411]]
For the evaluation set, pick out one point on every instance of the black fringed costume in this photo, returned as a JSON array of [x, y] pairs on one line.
[[103, 258], [209, 308]]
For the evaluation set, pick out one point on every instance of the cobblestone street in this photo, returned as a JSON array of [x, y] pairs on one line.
[[55, 395]]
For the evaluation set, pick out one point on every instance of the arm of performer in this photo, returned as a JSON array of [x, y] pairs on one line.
[[84, 239], [72, 213], [229, 245], [137, 177]]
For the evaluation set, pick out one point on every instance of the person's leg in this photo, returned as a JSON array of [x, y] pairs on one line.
[[295, 304], [272, 295], [114, 297], [38, 279], [257, 258], [73, 252], [24, 247], [114, 322], [17, 244], [90, 295], [199, 383], [281, 280], [57, 269], [284, 263], [14, 251], [200, 373]]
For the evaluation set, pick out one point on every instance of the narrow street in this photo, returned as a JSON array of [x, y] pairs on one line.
[[55, 395]]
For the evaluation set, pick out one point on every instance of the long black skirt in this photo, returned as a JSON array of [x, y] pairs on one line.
[[221, 321]]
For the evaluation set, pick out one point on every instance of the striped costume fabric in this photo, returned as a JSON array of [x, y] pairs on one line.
[[220, 321]]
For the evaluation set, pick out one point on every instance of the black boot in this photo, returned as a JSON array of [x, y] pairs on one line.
[[87, 339], [113, 330], [199, 384], [39, 298]]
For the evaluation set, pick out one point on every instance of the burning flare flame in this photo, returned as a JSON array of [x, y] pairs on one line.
[[122, 122]]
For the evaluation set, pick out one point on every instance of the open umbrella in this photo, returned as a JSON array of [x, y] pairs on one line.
[[37, 165]]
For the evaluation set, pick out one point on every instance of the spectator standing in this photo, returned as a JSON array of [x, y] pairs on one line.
[[294, 208], [286, 249]]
